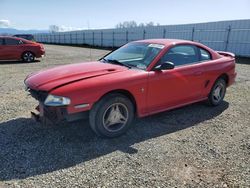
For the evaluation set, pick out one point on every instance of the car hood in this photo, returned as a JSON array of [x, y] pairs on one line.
[[49, 79]]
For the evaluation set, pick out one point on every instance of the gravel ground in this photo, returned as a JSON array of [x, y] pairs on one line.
[[194, 146]]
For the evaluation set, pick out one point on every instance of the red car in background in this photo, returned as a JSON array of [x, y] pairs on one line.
[[139, 79], [13, 48]]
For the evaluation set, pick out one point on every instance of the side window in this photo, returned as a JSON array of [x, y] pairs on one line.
[[9, 41], [181, 55], [205, 55], [1, 41]]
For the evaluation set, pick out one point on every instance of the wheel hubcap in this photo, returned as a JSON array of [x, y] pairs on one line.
[[28, 57], [218, 92], [115, 117]]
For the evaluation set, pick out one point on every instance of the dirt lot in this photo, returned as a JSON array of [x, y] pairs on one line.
[[195, 146]]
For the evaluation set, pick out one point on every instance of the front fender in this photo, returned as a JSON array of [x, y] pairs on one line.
[[92, 90]]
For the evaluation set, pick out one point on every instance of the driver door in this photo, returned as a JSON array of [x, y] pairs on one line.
[[178, 86]]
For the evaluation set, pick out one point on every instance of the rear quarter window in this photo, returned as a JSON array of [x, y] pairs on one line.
[[205, 55]]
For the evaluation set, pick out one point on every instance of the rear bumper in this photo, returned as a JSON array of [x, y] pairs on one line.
[[56, 115]]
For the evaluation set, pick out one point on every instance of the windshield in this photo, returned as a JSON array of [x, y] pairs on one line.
[[138, 55]]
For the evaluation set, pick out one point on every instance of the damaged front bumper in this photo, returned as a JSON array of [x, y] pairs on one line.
[[56, 115], [52, 114]]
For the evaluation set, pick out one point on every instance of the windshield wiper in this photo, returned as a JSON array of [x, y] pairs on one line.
[[114, 61]]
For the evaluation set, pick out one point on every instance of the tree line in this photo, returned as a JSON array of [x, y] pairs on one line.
[[131, 24]]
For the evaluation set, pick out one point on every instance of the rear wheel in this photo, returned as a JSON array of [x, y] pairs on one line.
[[112, 115], [217, 92], [28, 57]]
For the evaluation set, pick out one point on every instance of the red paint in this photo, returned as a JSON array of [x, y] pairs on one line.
[[14, 52], [153, 91]]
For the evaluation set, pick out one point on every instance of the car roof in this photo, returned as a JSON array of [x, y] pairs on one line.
[[168, 42], [11, 37], [172, 42]]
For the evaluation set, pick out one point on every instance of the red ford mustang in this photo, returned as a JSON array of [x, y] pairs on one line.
[[13, 48], [139, 79]]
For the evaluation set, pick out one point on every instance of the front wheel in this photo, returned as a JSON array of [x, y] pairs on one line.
[[217, 92], [112, 115], [28, 57]]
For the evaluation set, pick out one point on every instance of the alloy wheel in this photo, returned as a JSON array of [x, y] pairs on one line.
[[115, 117], [28, 57], [218, 92]]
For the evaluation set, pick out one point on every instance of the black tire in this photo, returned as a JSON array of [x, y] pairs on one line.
[[28, 57], [121, 108], [217, 92]]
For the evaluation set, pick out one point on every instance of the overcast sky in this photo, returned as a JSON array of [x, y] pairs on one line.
[[73, 14]]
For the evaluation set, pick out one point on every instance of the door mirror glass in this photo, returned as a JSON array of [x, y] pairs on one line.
[[165, 66]]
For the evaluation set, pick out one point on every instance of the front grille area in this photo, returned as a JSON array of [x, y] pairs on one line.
[[38, 95], [54, 114], [51, 114]]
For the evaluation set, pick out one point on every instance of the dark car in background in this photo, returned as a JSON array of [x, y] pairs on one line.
[[13, 48], [25, 36]]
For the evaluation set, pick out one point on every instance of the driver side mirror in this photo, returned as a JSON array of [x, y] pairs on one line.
[[165, 66]]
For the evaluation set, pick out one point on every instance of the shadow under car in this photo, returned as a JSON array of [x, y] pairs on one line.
[[27, 149]]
